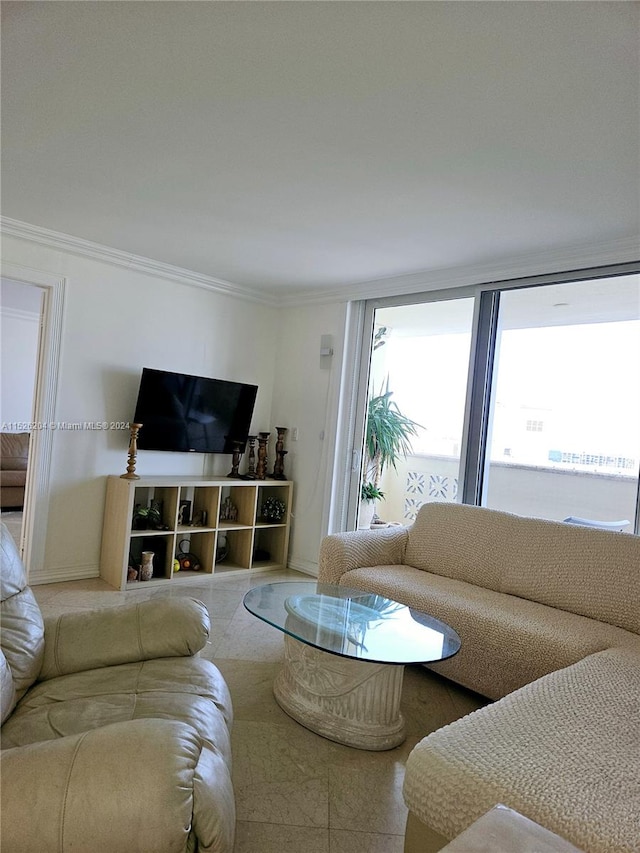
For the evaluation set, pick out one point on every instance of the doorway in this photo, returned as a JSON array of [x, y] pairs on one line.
[[416, 399], [21, 314], [36, 499]]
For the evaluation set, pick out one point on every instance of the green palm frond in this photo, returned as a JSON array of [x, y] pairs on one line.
[[389, 432]]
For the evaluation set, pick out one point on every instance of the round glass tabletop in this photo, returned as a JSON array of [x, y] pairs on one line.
[[352, 623]]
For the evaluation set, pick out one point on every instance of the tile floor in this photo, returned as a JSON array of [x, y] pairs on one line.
[[296, 792]]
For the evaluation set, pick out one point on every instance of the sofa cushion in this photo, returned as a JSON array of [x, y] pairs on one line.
[[188, 689], [457, 544], [144, 786], [13, 479], [12, 497], [14, 451], [22, 636], [586, 571], [142, 630], [508, 752], [342, 552], [7, 689], [506, 641]]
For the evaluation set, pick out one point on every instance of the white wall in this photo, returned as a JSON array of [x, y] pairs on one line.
[[306, 390], [19, 333], [116, 321]]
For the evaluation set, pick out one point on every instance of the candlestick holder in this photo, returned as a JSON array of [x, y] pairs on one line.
[[261, 470], [278, 467], [251, 459], [235, 459], [134, 429]]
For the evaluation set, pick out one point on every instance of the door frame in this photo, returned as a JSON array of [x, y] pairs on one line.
[[354, 389], [36, 504]]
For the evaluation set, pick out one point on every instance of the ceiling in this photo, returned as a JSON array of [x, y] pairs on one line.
[[299, 146], [601, 300]]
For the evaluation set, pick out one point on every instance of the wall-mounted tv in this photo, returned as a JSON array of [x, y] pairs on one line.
[[184, 413]]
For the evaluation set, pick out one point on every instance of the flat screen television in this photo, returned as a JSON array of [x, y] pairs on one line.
[[184, 413]]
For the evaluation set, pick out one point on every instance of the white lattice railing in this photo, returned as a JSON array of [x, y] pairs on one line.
[[522, 489]]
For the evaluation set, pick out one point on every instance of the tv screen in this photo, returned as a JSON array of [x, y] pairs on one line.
[[186, 413]]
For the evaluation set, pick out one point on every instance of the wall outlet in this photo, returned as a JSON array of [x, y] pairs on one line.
[[294, 434]]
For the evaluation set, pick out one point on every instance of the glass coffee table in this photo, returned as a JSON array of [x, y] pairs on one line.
[[345, 652]]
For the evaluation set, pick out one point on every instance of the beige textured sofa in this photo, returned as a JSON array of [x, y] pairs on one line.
[[115, 734], [549, 618]]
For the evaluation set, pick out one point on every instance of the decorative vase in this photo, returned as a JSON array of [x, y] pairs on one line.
[[365, 516], [146, 567], [273, 510]]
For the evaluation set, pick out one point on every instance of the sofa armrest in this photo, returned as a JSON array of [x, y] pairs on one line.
[[342, 552], [128, 786], [157, 628]]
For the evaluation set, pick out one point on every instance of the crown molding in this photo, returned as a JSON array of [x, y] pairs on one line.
[[508, 268], [138, 263]]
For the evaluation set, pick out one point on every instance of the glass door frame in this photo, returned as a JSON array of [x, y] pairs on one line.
[[354, 395], [355, 384]]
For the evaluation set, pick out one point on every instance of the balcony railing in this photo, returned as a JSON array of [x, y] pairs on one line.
[[539, 491]]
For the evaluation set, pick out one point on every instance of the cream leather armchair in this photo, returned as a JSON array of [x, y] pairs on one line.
[[115, 735]]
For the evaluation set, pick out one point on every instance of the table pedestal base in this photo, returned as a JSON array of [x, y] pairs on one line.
[[349, 701]]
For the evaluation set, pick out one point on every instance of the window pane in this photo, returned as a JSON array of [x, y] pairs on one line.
[[423, 352], [565, 428]]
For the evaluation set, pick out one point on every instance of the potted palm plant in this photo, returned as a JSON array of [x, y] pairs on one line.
[[387, 439], [369, 494]]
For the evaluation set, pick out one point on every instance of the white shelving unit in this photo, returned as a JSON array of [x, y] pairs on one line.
[[247, 543]]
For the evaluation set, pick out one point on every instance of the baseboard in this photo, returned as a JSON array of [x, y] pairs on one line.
[[304, 566], [77, 573], [64, 573]]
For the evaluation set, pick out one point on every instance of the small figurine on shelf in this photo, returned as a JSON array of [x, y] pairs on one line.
[[199, 518], [273, 509], [184, 513], [132, 569], [228, 510], [222, 551]]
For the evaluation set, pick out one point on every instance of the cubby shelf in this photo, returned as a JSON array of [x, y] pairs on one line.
[[222, 546]]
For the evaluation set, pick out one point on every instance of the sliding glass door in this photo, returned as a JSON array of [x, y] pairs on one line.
[[525, 397], [564, 436], [420, 362]]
